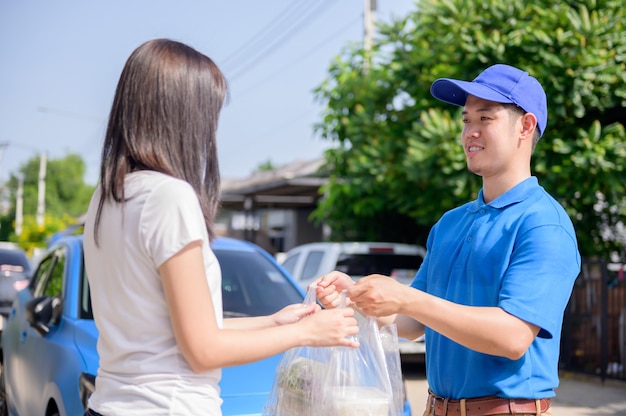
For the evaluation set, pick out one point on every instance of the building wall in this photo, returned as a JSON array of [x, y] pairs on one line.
[[276, 230]]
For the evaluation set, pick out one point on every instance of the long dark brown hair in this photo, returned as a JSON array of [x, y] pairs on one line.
[[164, 118]]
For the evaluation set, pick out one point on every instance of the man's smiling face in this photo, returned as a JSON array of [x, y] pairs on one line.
[[490, 137]]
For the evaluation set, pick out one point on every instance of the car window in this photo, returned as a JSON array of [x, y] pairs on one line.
[[388, 264], [54, 286], [312, 264], [252, 285], [37, 283], [290, 262], [85, 299], [49, 276]]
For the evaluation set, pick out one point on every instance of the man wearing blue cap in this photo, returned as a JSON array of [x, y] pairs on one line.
[[498, 271]]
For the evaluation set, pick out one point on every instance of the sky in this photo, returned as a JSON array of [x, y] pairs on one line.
[[60, 62]]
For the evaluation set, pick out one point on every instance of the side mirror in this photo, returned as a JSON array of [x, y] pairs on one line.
[[43, 311]]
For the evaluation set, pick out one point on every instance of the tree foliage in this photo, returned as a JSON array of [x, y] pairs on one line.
[[66, 199], [34, 236], [397, 163], [266, 166]]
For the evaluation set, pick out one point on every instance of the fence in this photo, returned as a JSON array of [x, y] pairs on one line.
[[594, 326]]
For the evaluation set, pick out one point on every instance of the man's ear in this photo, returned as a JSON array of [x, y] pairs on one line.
[[529, 125]]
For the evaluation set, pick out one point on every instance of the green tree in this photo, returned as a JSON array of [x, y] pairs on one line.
[[66, 199], [266, 166], [35, 236], [397, 163]]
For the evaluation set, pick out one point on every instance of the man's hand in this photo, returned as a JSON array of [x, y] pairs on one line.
[[378, 295]]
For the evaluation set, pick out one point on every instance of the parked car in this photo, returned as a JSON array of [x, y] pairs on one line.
[[15, 270], [49, 344], [308, 262]]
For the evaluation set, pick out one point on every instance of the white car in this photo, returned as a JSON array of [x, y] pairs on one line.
[[310, 261]]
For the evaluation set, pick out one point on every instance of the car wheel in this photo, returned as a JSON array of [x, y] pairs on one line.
[[52, 410], [4, 409]]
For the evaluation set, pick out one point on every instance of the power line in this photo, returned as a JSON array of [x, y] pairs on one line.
[[286, 66], [272, 37], [262, 46], [299, 58], [285, 14], [70, 114]]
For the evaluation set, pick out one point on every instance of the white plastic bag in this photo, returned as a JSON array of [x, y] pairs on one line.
[[298, 379], [391, 347], [341, 381], [358, 380]]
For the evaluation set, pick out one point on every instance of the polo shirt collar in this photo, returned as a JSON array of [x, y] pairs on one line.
[[518, 193]]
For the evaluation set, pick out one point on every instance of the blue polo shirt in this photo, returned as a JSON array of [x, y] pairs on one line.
[[518, 252]]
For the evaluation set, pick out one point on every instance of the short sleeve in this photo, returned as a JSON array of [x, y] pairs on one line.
[[539, 281], [421, 277], [171, 219]]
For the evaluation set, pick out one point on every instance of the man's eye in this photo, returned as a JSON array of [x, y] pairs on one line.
[[465, 121]]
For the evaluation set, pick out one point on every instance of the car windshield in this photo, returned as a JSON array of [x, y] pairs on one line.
[[397, 265], [251, 286]]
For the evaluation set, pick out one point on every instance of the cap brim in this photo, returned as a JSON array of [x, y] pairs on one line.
[[455, 92]]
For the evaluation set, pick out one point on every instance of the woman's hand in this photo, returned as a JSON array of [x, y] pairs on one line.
[[293, 313], [329, 288], [332, 327]]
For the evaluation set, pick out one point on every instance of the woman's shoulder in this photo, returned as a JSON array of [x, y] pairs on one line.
[[157, 182]]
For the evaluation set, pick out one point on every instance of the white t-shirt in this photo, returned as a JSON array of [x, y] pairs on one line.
[[142, 370]]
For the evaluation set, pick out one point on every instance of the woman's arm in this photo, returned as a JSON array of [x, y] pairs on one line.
[[288, 315], [205, 346]]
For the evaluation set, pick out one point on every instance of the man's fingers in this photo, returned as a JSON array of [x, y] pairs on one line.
[[356, 291]]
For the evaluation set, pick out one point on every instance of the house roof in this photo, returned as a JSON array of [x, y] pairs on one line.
[[293, 185]]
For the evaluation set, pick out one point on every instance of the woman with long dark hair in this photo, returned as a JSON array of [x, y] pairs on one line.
[[155, 283]]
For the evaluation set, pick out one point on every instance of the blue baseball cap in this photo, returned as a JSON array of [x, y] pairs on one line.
[[501, 84]]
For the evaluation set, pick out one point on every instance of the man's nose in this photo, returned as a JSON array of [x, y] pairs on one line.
[[470, 132]]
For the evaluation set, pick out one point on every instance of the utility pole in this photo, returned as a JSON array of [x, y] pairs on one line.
[[19, 201], [41, 191], [41, 194], [3, 146], [369, 17]]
